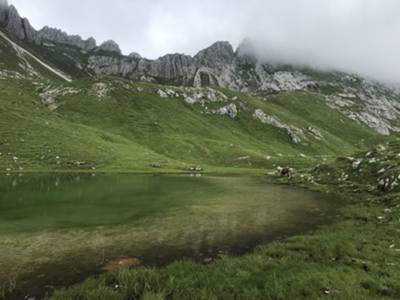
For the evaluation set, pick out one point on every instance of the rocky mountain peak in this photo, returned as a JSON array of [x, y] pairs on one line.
[[21, 29], [217, 53], [90, 43], [110, 46], [13, 22]]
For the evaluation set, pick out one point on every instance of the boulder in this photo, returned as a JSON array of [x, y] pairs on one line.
[[356, 164], [229, 110]]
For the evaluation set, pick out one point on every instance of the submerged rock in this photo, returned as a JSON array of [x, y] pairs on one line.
[[120, 264]]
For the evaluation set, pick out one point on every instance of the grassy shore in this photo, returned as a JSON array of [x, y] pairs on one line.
[[358, 257]]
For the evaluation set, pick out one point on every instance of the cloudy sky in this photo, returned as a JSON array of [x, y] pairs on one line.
[[360, 36]]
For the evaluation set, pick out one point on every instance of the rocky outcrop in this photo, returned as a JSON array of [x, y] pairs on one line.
[[110, 46], [217, 65], [230, 111], [174, 68], [111, 65], [58, 36], [213, 66], [315, 132], [295, 134], [101, 90], [14, 24], [370, 104], [50, 96], [21, 29], [203, 96], [217, 54]]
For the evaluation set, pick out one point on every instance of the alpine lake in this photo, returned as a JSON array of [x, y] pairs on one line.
[[58, 229]]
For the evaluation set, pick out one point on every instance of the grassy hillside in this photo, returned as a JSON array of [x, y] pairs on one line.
[[114, 124]]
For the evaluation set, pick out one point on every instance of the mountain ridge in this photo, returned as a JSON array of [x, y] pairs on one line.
[[364, 101]]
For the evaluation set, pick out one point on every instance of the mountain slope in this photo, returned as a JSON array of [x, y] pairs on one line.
[[365, 101], [27, 58], [114, 124], [219, 108]]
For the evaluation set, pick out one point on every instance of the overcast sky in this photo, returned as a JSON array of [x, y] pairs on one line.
[[351, 35]]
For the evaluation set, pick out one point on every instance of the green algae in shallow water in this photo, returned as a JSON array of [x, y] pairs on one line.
[[63, 227]]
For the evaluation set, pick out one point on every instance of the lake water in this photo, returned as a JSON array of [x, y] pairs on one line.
[[58, 229]]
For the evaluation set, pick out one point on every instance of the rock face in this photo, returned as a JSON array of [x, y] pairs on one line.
[[371, 104], [13, 23], [21, 29], [217, 65], [217, 54], [211, 66], [173, 68], [110, 65], [58, 36]]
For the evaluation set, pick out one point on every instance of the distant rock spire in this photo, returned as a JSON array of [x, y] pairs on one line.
[[110, 46], [219, 52]]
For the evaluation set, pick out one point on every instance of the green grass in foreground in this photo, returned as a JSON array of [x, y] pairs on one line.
[[356, 258]]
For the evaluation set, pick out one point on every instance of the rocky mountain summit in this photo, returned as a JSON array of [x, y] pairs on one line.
[[365, 101], [21, 29]]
